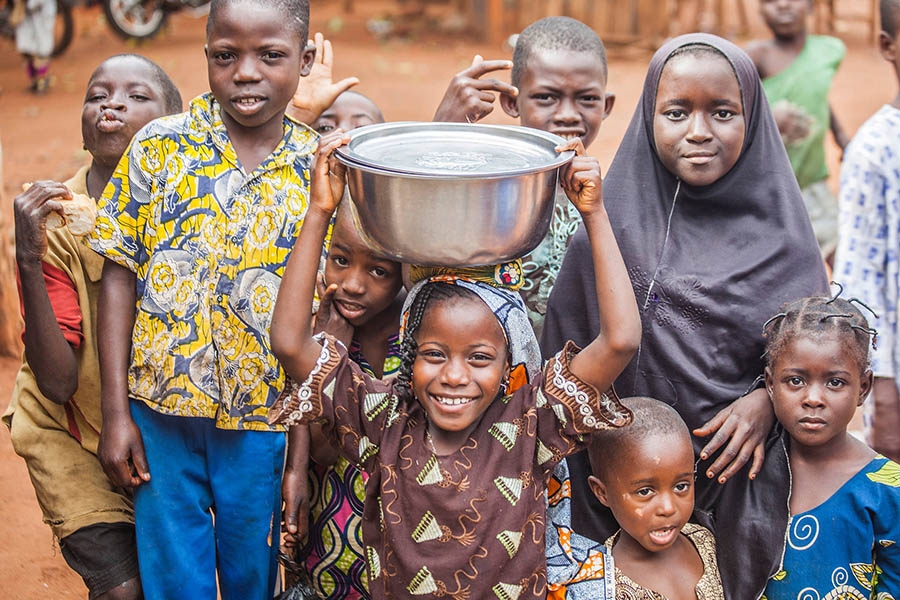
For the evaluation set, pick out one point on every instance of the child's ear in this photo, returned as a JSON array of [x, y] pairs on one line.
[[887, 47], [599, 490], [770, 384], [608, 103], [307, 56], [510, 105], [865, 386]]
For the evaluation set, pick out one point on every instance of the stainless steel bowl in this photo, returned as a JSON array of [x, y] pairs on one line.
[[452, 194]]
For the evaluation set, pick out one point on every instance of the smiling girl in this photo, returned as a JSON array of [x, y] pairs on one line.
[[459, 447], [845, 499]]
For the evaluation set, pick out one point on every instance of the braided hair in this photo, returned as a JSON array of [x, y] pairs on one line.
[[429, 295], [816, 317]]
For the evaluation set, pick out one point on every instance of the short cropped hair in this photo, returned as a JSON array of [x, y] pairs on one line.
[[295, 12], [890, 17], [555, 33], [651, 418]]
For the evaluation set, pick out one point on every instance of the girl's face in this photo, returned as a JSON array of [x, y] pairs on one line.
[[460, 364], [653, 497], [698, 119], [367, 283], [816, 386]]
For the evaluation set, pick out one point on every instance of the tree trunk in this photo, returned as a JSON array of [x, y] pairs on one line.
[[10, 323]]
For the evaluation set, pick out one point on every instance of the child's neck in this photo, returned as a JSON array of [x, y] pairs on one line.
[[673, 572], [792, 44], [817, 472], [253, 145], [97, 177]]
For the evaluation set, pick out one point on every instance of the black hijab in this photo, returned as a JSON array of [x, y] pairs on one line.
[[737, 249]]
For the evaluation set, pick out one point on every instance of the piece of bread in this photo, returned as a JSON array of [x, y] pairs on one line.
[[79, 214]]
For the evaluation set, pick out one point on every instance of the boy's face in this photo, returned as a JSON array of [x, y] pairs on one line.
[[366, 283], [653, 497], [348, 112], [254, 63], [785, 17], [563, 92], [122, 96]]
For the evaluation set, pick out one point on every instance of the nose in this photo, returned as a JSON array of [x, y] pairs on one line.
[[566, 112], [665, 506], [115, 100], [815, 396], [247, 69], [354, 283], [699, 130], [454, 373]]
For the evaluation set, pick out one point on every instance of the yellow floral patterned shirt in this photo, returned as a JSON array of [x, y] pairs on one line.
[[209, 243]]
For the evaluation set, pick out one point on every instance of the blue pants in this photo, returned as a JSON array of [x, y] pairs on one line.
[[213, 502]]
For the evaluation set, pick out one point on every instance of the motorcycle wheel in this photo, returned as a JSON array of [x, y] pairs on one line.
[[63, 29], [136, 19]]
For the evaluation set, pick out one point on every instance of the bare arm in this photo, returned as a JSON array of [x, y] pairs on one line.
[[291, 333], [471, 98], [840, 136], [886, 418], [121, 448], [49, 354], [295, 487], [620, 325]]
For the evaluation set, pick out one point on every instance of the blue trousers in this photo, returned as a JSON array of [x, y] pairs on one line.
[[212, 505]]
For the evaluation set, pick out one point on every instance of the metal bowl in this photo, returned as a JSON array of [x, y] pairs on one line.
[[452, 194]]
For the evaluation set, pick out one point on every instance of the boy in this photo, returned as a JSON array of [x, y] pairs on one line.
[[866, 261], [797, 70], [196, 226], [54, 416], [558, 85]]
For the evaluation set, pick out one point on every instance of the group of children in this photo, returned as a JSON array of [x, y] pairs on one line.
[[444, 450]]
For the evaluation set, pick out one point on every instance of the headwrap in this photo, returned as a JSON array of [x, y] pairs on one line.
[[709, 265], [497, 286]]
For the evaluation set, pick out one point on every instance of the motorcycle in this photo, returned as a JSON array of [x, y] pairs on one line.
[[141, 19], [64, 27]]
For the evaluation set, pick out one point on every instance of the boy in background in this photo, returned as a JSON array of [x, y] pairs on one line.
[[797, 70], [196, 226], [558, 79], [866, 262], [54, 416]]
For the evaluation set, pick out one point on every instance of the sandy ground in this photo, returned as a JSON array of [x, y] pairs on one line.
[[406, 78]]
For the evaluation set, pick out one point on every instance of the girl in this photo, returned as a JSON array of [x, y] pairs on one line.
[[714, 234], [457, 464], [845, 505]]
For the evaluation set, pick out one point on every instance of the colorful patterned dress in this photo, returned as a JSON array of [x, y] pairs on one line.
[[846, 548], [336, 560], [469, 524]]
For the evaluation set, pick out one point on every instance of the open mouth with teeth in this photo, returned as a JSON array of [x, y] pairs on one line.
[[664, 535], [450, 401]]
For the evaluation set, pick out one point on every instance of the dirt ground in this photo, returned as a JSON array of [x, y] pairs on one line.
[[405, 77]]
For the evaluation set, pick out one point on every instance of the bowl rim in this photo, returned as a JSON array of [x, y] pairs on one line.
[[345, 155]]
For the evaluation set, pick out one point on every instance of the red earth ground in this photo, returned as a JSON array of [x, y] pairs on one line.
[[406, 77]]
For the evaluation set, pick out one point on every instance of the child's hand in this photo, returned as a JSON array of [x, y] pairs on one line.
[[794, 123], [121, 452], [744, 425], [317, 91], [295, 515], [329, 174], [328, 318], [468, 97], [31, 209], [581, 179]]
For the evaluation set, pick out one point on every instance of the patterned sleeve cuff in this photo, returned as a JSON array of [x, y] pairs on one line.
[[592, 411], [301, 403]]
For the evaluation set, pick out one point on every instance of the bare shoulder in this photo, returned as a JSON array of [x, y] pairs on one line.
[[759, 51]]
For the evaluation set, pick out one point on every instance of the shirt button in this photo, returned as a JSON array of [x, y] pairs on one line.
[[220, 298]]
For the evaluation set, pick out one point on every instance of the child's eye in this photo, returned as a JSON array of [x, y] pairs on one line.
[[380, 272], [835, 382], [590, 99], [675, 114], [224, 57], [339, 260], [272, 55], [140, 97], [794, 381], [543, 98], [324, 127], [431, 355], [683, 487], [723, 115], [481, 357], [644, 492]]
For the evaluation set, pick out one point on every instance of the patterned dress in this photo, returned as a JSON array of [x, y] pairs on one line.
[[469, 524], [708, 588], [337, 561], [846, 548]]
